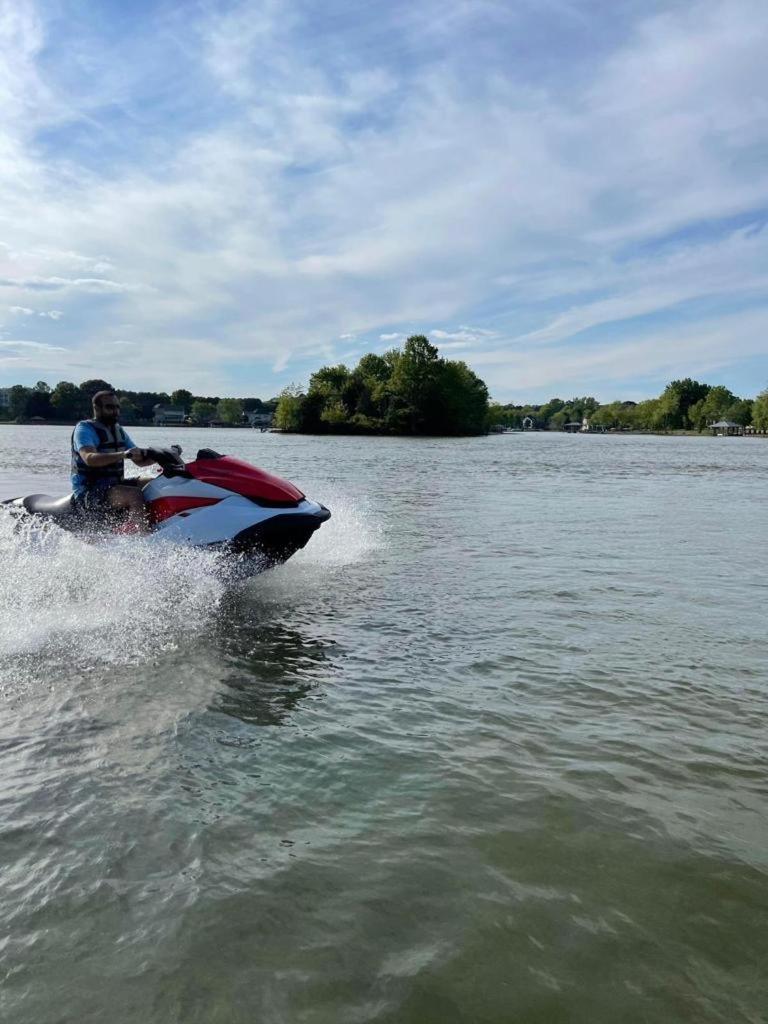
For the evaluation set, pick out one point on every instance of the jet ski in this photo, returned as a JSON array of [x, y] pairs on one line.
[[216, 501]]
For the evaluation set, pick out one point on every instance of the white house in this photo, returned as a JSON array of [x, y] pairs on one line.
[[259, 420], [168, 415]]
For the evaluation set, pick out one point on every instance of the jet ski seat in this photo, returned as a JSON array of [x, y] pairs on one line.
[[57, 508]]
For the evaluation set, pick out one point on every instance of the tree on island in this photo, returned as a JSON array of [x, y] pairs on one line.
[[412, 391], [289, 406]]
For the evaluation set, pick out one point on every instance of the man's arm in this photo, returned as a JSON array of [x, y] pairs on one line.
[[95, 459]]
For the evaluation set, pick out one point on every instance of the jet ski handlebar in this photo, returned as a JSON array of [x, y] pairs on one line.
[[169, 459]]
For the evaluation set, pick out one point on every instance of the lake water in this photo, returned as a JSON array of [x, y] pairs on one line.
[[491, 749]]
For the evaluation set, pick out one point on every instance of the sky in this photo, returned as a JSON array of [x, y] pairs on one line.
[[569, 195]]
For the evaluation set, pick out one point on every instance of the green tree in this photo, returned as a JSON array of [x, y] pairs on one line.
[[676, 400], [182, 399], [330, 399], [740, 411], [498, 415], [760, 411], [413, 391], [462, 406], [611, 416], [713, 407], [129, 413], [69, 402], [368, 394], [19, 400], [329, 381], [202, 412], [548, 410], [335, 413], [414, 383], [645, 415], [288, 413], [229, 410], [90, 387], [558, 419], [39, 403]]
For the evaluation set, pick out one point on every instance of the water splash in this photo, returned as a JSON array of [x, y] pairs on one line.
[[121, 600], [106, 600], [351, 535]]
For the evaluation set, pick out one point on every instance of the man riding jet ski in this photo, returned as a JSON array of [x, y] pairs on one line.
[[216, 501], [100, 447]]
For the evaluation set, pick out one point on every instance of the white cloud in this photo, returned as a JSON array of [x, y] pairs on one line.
[[21, 310], [319, 190], [36, 345], [463, 336], [85, 284], [661, 353]]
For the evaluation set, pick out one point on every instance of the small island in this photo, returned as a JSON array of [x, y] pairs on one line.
[[413, 391]]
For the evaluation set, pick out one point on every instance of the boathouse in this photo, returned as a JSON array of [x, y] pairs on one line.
[[726, 428]]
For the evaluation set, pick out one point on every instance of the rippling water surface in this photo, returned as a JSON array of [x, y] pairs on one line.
[[491, 749]]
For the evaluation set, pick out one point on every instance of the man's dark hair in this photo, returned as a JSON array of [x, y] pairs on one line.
[[99, 397]]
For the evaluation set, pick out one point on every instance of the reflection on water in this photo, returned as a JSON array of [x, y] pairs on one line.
[[266, 666]]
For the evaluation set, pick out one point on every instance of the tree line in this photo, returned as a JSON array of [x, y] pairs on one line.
[[683, 405], [412, 391], [68, 403], [408, 391]]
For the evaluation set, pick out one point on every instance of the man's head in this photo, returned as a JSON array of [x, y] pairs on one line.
[[106, 407]]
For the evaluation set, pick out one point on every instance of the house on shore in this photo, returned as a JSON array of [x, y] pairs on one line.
[[726, 428], [168, 415], [259, 420]]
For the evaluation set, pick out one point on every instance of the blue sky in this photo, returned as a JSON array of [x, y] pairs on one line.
[[570, 195]]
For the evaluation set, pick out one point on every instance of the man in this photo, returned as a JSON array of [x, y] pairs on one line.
[[100, 447]]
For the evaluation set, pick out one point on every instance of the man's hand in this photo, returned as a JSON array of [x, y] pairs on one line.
[[137, 455]]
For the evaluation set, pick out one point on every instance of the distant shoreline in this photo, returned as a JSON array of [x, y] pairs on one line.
[[635, 433], [492, 433]]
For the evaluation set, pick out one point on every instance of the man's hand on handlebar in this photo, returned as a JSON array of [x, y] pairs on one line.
[[137, 455]]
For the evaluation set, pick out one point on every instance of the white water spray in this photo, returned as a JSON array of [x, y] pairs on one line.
[[73, 602]]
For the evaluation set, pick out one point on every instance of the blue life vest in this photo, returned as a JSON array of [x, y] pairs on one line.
[[114, 473]]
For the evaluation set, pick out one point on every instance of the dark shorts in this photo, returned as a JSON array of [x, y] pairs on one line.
[[95, 498]]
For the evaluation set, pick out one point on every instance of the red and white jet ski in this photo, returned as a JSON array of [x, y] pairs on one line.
[[217, 501]]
